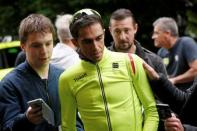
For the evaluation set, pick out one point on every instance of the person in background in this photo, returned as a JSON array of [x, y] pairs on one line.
[[123, 28], [34, 78], [105, 86], [20, 58], [178, 53], [64, 53], [181, 102]]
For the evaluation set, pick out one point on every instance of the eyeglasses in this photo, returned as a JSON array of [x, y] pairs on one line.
[[83, 13]]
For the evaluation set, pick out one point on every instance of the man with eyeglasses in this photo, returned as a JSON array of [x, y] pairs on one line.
[[178, 53], [108, 88]]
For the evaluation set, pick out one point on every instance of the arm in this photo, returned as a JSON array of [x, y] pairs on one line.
[[146, 97], [12, 115], [187, 76], [164, 89], [68, 105]]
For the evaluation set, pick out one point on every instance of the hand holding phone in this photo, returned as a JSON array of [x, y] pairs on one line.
[[47, 112], [34, 111]]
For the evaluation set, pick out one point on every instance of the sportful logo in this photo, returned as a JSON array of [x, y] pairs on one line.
[[80, 77], [115, 65]]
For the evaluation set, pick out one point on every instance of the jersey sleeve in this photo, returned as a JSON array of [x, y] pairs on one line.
[[68, 105], [145, 95]]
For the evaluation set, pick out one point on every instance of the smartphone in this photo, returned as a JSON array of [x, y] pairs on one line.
[[47, 112], [35, 103], [164, 111]]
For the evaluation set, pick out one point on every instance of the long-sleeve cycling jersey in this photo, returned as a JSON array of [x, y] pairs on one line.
[[109, 95]]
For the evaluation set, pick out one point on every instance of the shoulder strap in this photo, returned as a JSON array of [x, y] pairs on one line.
[[132, 62]]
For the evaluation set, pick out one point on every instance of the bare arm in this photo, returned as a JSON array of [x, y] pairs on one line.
[[187, 76]]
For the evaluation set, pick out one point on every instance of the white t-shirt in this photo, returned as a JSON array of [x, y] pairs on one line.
[[64, 56]]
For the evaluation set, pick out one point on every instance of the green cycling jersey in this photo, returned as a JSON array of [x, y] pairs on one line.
[[110, 95]]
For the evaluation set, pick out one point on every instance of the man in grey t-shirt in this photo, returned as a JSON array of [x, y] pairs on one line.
[[179, 53]]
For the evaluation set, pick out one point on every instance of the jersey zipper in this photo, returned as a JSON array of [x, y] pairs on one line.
[[104, 98]]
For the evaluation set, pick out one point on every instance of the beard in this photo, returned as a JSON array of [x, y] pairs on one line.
[[124, 46]]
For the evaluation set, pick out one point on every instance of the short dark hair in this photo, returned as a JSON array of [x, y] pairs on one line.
[[35, 23], [121, 14], [83, 18]]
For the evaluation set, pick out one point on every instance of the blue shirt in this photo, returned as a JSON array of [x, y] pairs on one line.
[[22, 85], [177, 58]]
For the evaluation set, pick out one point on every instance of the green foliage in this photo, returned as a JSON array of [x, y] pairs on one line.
[[191, 28], [145, 11], [7, 21]]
